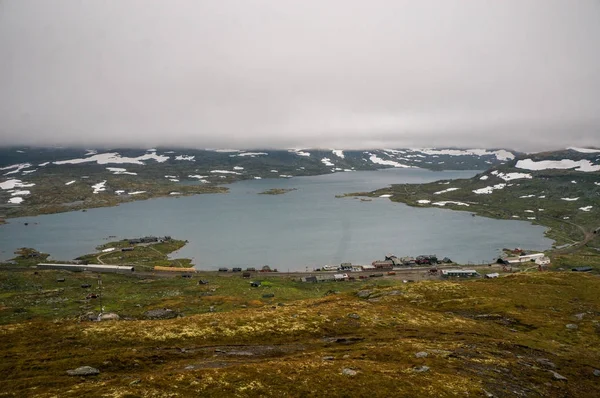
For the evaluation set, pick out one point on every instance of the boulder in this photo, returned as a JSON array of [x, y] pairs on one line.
[[349, 372], [364, 293], [597, 372], [164, 313], [545, 362], [109, 316], [83, 371], [421, 354], [354, 316], [557, 376], [572, 326], [421, 369]]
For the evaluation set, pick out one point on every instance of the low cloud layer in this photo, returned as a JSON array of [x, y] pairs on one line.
[[328, 73]]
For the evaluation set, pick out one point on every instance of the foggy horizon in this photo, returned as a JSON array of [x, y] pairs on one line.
[[519, 75]]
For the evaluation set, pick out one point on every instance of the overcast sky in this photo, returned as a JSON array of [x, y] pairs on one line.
[[284, 73]]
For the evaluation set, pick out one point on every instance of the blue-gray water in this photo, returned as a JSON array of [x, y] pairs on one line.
[[308, 227]]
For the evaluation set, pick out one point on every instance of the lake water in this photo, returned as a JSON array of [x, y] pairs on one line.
[[308, 227]]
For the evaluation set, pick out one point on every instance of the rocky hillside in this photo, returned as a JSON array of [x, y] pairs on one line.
[[47, 180]]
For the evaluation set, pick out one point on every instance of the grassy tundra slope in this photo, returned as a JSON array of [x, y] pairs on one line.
[[426, 339]]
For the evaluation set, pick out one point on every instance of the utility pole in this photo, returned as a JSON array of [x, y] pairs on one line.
[[100, 292]]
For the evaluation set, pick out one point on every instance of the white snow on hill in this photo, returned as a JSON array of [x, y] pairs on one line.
[[251, 154], [500, 154], [15, 201], [185, 157], [10, 184], [99, 187], [118, 170], [115, 158], [338, 153], [579, 165], [18, 168], [488, 190], [584, 150], [224, 172], [570, 199], [510, 176], [586, 208], [445, 190], [449, 202], [327, 162], [299, 152], [378, 160]]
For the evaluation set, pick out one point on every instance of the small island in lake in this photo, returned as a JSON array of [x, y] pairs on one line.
[[277, 191]]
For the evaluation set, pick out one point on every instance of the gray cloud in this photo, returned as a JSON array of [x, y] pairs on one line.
[[273, 73]]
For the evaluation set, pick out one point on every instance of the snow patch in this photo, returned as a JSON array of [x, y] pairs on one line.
[[385, 196], [579, 165], [327, 162], [136, 193], [10, 184], [299, 152], [484, 178], [238, 168], [378, 160], [174, 193], [584, 150], [118, 170], [570, 199], [526, 196], [511, 176], [449, 202], [586, 208], [258, 178], [489, 190], [15, 201], [185, 157], [529, 211], [192, 176], [251, 154], [446, 190], [18, 168], [43, 164], [70, 182], [338, 153], [108, 250], [500, 154], [423, 201], [115, 158], [225, 172], [21, 193], [99, 187]]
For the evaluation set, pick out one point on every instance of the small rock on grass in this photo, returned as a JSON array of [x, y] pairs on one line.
[[597, 372], [421, 354], [349, 372], [83, 371], [421, 369], [354, 316], [364, 293], [572, 326], [557, 376]]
